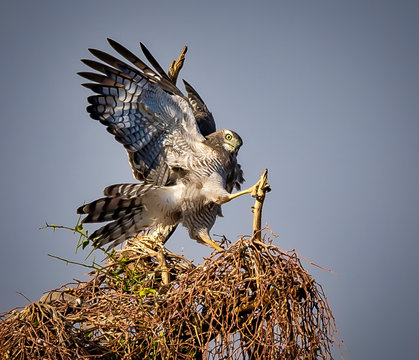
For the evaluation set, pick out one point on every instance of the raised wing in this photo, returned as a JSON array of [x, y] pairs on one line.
[[202, 115], [146, 113]]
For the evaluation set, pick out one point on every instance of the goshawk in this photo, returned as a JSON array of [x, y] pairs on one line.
[[186, 168]]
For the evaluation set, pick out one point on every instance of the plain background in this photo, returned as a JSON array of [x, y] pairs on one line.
[[323, 93]]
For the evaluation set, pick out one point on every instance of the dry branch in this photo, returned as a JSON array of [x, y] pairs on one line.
[[259, 194], [177, 65]]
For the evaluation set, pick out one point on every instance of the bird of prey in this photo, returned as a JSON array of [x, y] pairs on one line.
[[186, 168]]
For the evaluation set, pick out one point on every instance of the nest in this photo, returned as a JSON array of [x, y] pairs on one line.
[[252, 301]]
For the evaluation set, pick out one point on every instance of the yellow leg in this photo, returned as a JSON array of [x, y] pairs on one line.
[[207, 240], [252, 190], [240, 193]]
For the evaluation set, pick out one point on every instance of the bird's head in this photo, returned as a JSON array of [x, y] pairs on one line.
[[228, 139]]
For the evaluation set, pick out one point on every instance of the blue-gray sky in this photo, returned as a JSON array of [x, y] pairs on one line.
[[323, 93]]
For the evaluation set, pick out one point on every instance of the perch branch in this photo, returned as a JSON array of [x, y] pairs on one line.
[[259, 193]]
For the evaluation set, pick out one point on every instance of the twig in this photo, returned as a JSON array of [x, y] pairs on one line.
[[73, 262], [259, 194], [21, 294], [177, 65]]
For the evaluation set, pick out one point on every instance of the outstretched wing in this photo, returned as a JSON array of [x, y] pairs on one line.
[[202, 115], [147, 114]]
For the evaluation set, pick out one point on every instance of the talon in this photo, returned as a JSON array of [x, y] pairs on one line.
[[206, 239]]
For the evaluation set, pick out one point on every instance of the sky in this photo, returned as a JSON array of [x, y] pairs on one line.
[[323, 93]]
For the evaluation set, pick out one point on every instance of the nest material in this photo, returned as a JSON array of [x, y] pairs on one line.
[[253, 301]]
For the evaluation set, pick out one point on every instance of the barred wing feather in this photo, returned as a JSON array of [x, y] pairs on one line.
[[155, 126]]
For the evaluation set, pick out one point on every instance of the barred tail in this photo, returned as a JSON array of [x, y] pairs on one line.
[[124, 228], [131, 208]]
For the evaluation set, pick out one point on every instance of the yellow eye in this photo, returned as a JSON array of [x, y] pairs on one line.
[[228, 137]]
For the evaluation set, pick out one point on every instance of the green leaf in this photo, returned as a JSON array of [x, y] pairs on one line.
[[147, 291]]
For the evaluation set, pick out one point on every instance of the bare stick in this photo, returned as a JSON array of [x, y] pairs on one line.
[[175, 66], [259, 193], [163, 266]]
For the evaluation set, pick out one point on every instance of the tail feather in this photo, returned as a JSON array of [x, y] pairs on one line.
[[118, 231], [131, 208], [109, 208], [127, 191]]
